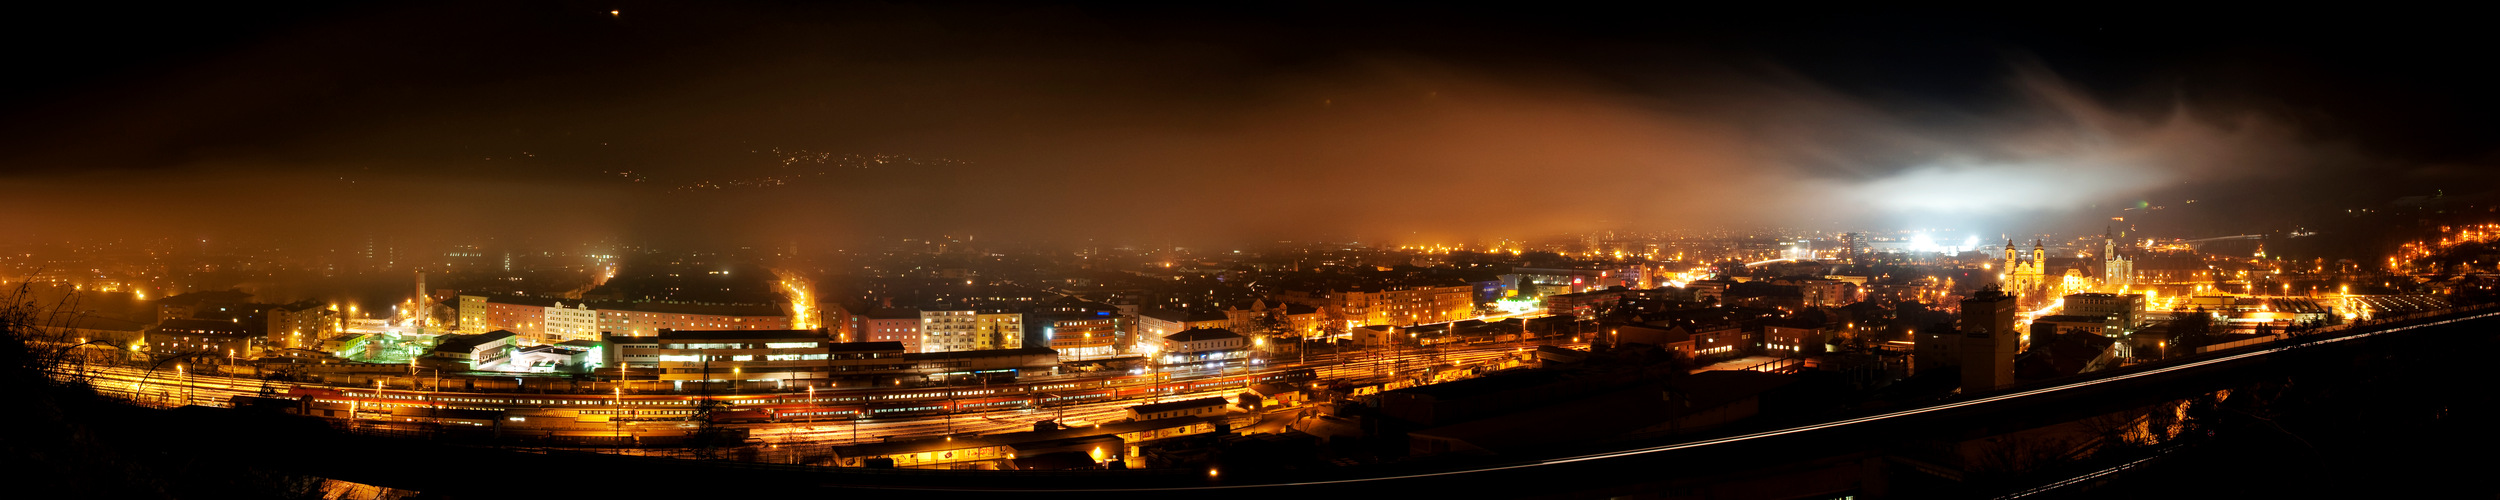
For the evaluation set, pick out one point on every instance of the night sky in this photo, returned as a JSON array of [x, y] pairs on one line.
[[736, 123]]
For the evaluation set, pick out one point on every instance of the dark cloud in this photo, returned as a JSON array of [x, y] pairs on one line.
[[562, 122]]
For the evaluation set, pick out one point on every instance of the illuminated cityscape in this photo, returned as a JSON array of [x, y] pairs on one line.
[[991, 250]]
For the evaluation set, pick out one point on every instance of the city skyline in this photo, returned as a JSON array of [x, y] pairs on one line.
[[632, 249]]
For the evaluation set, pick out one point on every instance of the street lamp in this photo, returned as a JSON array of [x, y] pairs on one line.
[[618, 400]]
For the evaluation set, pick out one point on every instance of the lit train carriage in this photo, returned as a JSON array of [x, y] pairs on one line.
[[905, 409], [815, 413], [1005, 402], [1289, 376], [1080, 396], [448, 416], [797, 413], [740, 416]]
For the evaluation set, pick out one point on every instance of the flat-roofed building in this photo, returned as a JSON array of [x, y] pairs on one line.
[[631, 353], [2127, 311], [648, 318], [943, 331], [992, 361], [302, 325], [743, 355], [483, 351], [866, 358], [567, 322], [1204, 345], [900, 326], [1080, 335], [1174, 409], [998, 330], [202, 336], [525, 316]]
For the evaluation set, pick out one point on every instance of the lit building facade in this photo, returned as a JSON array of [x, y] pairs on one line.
[[2125, 311], [901, 326], [998, 330], [575, 322], [1204, 345], [202, 336], [1400, 305], [945, 331], [1079, 335], [2026, 278], [648, 318], [301, 325], [743, 355]]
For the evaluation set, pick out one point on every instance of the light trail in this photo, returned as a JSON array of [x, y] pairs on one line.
[[2087, 477], [1758, 435]]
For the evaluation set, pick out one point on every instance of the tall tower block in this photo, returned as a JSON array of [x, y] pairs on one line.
[[1989, 341]]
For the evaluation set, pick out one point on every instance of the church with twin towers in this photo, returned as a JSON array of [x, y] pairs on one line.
[[2037, 279]]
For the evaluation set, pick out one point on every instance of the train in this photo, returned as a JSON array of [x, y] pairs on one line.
[[356, 403], [927, 402]]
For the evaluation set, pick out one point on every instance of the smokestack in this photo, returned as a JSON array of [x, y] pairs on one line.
[[421, 308]]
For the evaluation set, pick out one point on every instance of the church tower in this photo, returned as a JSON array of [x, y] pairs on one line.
[[2117, 270], [2026, 278]]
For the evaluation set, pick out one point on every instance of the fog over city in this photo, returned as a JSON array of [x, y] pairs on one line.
[[831, 125], [630, 249]]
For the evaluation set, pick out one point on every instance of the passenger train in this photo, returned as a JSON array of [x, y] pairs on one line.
[[788, 406]]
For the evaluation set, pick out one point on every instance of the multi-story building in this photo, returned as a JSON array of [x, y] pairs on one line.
[[301, 325], [473, 314], [223, 338], [190, 305], [841, 321], [894, 325], [743, 355], [1711, 290], [632, 357], [1392, 304], [944, 331], [1594, 302], [648, 318], [1989, 341], [1823, 292], [1251, 319], [2127, 311], [1204, 345], [525, 316], [1156, 323], [479, 351], [2103, 325], [576, 321], [1078, 335], [548, 321], [853, 359], [1530, 281], [1720, 339], [998, 330], [1786, 337]]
